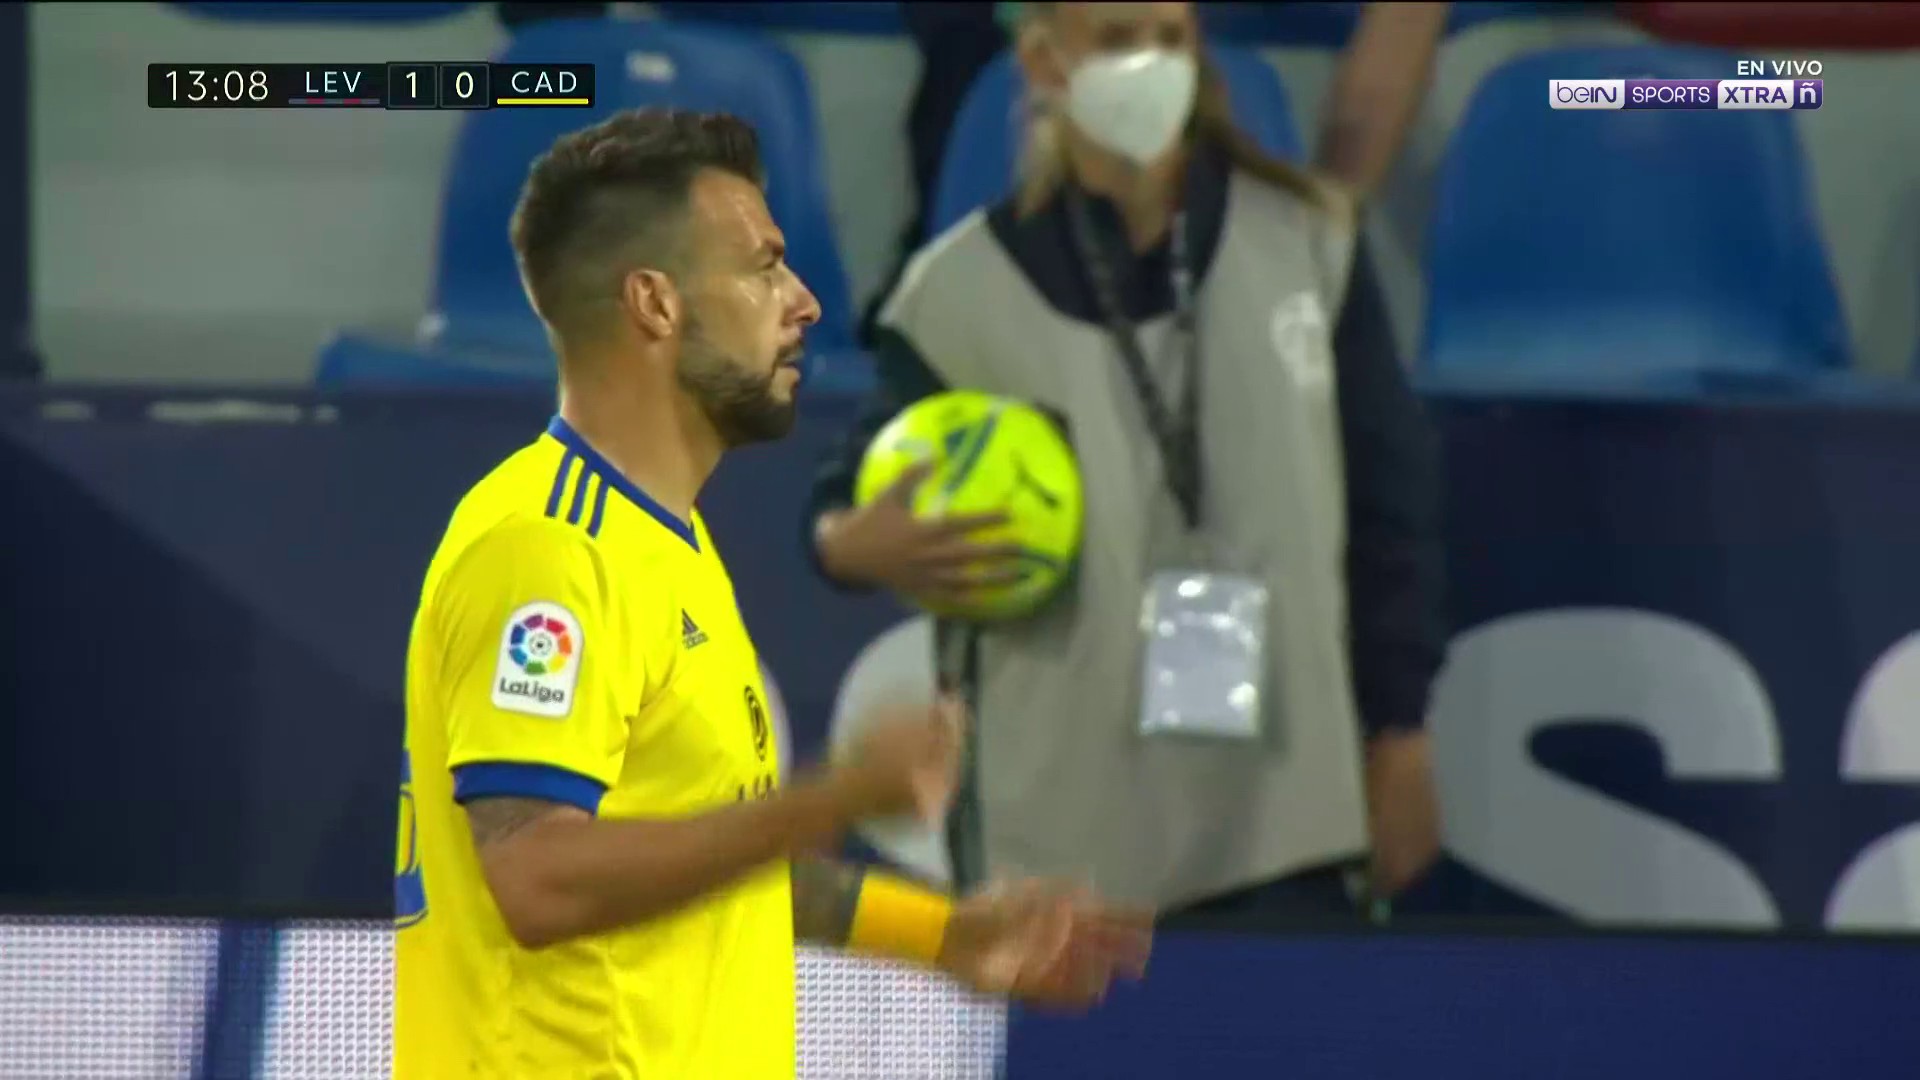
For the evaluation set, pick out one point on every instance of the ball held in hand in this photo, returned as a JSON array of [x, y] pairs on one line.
[[989, 454]]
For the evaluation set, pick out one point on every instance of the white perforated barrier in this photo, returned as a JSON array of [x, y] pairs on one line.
[[331, 1012], [105, 1000], [861, 1019]]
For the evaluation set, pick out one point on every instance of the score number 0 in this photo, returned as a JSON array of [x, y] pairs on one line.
[[462, 84]]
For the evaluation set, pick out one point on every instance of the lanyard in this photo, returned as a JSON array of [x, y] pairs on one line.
[[1176, 429]]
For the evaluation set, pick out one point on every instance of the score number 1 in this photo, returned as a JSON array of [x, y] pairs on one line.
[[438, 86]]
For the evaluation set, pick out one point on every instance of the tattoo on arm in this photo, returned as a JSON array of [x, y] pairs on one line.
[[825, 894], [493, 820]]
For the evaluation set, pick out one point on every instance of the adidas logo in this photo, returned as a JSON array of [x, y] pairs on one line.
[[690, 635]]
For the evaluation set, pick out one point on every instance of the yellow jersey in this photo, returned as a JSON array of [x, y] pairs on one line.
[[577, 643]]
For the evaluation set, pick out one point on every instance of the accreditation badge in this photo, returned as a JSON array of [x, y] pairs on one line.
[[1204, 664]]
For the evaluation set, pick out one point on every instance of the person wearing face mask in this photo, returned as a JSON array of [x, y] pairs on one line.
[[1202, 319]]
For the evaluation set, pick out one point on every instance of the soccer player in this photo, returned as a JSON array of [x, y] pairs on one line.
[[600, 874]]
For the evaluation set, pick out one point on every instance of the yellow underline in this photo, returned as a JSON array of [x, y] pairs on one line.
[[542, 101]]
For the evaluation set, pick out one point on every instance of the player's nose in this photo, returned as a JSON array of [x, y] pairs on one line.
[[806, 308]]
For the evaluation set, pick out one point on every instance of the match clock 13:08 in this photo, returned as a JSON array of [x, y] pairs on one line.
[[208, 85]]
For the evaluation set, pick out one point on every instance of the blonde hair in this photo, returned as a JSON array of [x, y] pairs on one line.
[[1043, 159]]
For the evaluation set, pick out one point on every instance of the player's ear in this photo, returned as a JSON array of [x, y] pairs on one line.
[[654, 305]]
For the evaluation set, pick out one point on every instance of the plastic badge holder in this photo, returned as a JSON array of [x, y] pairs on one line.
[[1204, 663]]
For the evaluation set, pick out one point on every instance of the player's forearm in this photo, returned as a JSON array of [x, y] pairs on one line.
[[825, 895], [845, 906], [564, 876], [1377, 91]]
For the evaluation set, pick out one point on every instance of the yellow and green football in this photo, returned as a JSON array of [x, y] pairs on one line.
[[989, 454]]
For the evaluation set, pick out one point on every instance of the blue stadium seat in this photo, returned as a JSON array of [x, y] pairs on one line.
[[984, 147], [1330, 25], [477, 297], [360, 360], [845, 17], [480, 329], [1304, 23], [322, 12], [363, 360], [1628, 242]]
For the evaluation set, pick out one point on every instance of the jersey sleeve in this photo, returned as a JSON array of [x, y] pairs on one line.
[[538, 681]]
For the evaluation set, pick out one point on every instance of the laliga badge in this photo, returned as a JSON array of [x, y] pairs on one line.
[[539, 662]]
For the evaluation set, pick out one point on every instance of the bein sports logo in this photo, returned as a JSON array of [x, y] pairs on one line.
[[1709, 94], [539, 661]]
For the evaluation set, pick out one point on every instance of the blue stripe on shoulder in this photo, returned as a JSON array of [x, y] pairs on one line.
[[594, 463], [580, 486], [560, 482], [599, 508]]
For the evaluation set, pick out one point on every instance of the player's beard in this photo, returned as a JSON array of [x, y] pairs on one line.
[[739, 402]]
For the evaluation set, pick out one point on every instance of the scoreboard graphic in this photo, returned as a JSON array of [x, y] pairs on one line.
[[414, 85]]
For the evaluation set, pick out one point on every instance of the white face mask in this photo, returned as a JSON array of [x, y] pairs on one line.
[[1134, 104]]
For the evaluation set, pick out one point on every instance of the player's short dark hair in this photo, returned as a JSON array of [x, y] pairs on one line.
[[613, 196]]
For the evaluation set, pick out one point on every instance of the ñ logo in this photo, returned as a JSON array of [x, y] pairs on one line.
[[540, 645]]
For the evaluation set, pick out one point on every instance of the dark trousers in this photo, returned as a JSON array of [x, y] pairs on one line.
[[1319, 895]]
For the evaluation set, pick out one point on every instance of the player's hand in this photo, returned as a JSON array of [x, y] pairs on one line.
[[907, 762], [1045, 945], [929, 559], [1404, 809]]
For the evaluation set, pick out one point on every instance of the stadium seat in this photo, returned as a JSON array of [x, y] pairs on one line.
[[984, 147], [1625, 241], [1326, 25], [862, 17], [322, 12], [1796, 28], [478, 297], [365, 360], [478, 306], [1321, 25], [1329, 25]]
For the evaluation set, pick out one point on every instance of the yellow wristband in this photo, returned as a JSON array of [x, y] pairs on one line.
[[898, 919]]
